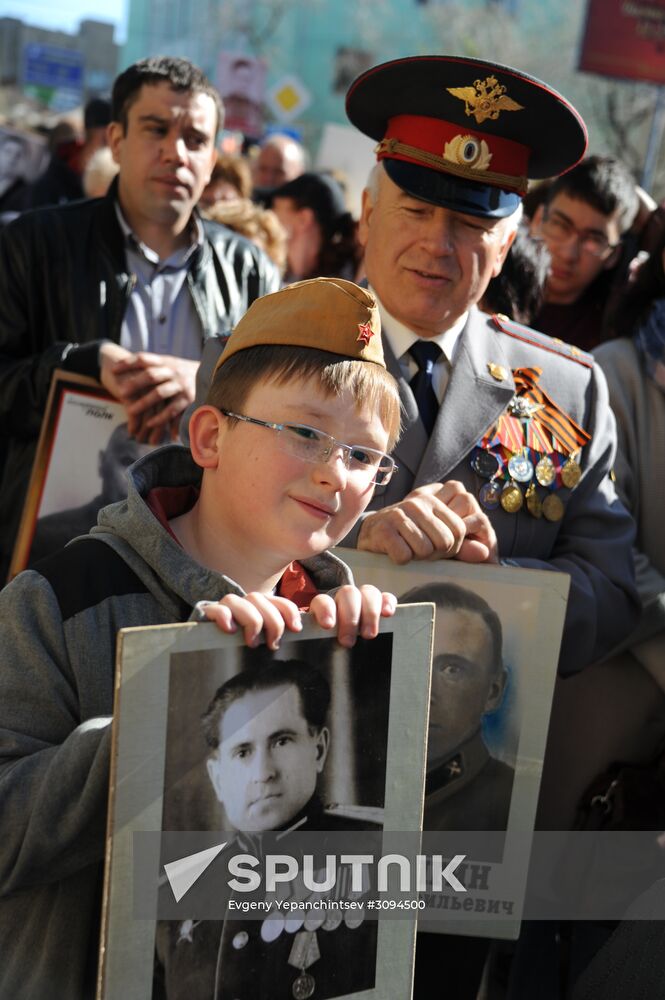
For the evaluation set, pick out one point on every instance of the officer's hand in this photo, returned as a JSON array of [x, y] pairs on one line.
[[436, 521], [255, 613], [156, 390], [353, 611], [480, 542]]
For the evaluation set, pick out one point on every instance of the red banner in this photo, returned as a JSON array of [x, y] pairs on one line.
[[626, 39]]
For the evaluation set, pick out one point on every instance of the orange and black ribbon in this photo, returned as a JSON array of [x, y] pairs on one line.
[[562, 427]]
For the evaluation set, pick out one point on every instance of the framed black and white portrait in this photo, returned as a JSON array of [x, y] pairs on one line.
[[223, 752]]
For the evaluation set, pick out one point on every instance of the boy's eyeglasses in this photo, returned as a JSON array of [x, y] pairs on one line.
[[311, 445], [559, 229]]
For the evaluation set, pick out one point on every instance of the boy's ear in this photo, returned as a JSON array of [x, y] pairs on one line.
[[205, 425]]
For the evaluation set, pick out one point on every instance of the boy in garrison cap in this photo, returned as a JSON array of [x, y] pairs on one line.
[[285, 455]]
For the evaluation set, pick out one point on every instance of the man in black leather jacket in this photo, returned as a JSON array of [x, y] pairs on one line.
[[126, 288]]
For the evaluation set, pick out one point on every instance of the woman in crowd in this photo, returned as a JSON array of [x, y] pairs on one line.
[[230, 179], [321, 232], [260, 225]]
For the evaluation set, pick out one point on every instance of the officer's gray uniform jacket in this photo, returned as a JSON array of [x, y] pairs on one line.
[[592, 543], [58, 626]]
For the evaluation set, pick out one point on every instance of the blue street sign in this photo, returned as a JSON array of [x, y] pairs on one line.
[[49, 66]]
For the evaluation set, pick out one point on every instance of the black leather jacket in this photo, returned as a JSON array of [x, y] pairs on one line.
[[64, 286]]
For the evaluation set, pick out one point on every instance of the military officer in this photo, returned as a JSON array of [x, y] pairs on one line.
[[493, 409], [508, 443], [266, 728]]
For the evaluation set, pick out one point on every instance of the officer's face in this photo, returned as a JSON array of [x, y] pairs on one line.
[[166, 154], [563, 224], [464, 683], [427, 264], [266, 766]]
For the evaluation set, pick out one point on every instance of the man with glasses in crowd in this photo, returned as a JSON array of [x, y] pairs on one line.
[[583, 221]]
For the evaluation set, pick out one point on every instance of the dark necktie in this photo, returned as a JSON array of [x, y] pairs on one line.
[[425, 353]]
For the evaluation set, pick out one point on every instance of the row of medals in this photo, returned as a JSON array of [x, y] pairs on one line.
[[305, 950], [521, 469]]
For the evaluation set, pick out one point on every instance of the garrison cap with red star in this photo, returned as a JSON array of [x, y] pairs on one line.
[[464, 133]]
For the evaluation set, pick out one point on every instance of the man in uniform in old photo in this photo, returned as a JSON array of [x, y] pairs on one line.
[[466, 788], [266, 729]]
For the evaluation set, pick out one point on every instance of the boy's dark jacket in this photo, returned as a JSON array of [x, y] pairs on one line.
[[64, 287], [58, 626]]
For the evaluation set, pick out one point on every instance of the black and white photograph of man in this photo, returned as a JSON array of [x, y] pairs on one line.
[[270, 729], [466, 788]]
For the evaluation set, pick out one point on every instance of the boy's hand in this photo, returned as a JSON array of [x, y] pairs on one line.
[[354, 610], [255, 613], [436, 521]]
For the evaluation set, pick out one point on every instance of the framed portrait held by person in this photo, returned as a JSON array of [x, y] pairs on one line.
[[235, 761], [80, 466], [494, 661]]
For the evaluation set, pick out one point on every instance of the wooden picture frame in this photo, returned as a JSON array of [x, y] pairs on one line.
[[80, 449]]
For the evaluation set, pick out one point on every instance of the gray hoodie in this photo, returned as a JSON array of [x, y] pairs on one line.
[[58, 626]]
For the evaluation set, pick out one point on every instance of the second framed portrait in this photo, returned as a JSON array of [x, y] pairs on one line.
[[495, 653]]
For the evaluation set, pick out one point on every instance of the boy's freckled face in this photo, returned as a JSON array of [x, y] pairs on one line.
[[278, 503]]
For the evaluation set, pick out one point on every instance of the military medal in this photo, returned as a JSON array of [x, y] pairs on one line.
[[545, 471], [533, 502], [571, 473], [305, 952], [553, 508], [485, 464], [240, 940], [293, 924], [187, 930], [304, 986], [354, 919], [314, 920], [511, 498], [333, 921], [520, 468], [272, 927], [490, 495], [523, 408]]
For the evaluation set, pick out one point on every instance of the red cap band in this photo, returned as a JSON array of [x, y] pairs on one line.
[[479, 152]]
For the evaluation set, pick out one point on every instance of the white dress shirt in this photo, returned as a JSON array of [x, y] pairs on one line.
[[401, 338]]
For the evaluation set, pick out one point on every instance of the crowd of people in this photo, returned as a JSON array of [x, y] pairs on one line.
[[496, 350]]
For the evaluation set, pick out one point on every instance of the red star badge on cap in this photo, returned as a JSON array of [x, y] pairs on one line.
[[366, 333]]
